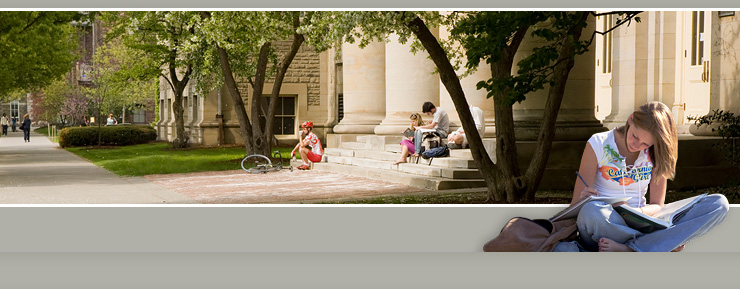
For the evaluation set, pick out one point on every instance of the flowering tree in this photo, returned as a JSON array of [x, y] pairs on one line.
[[75, 107], [48, 102]]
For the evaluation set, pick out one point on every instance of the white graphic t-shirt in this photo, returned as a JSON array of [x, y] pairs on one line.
[[315, 143], [613, 177]]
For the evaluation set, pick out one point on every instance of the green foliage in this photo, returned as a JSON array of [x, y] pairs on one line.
[[117, 77], [160, 39], [37, 47], [109, 135], [241, 34], [485, 35], [728, 127]]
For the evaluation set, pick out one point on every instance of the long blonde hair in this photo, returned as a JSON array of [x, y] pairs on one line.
[[656, 118], [417, 118]]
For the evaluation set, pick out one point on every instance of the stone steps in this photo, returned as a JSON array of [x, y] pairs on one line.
[[372, 156], [419, 181]]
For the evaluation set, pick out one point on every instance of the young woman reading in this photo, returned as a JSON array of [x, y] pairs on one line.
[[626, 161]]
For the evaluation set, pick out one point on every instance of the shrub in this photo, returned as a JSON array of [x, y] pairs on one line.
[[118, 135], [728, 128]]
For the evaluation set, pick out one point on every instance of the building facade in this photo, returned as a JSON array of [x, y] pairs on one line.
[[685, 59]]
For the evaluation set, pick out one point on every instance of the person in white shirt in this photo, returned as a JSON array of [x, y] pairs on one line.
[[440, 123], [111, 120], [457, 139], [5, 123], [626, 161]]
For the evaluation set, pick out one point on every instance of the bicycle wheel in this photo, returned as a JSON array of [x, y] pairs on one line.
[[256, 164]]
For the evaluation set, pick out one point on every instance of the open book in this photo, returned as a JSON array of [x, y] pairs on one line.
[[408, 132], [669, 214], [572, 211], [425, 129]]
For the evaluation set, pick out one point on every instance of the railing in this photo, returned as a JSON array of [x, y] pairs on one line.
[[52, 133]]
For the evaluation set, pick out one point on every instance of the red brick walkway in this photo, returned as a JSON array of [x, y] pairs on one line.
[[239, 187]]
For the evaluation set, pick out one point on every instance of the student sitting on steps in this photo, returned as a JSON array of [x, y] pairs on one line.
[[407, 144]]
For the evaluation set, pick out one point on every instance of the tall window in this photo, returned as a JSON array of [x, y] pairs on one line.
[[340, 91], [697, 37], [195, 107], [284, 114], [607, 44], [14, 109]]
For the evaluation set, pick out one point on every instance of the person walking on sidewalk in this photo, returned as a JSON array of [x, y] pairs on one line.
[[13, 119], [5, 123], [26, 127]]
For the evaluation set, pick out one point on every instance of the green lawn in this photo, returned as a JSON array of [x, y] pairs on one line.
[[159, 158]]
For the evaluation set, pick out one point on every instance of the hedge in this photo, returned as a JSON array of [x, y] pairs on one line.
[[117, 135]]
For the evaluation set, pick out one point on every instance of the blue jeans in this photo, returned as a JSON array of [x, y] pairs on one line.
[[598, 220], [417, 139], [26, 135]]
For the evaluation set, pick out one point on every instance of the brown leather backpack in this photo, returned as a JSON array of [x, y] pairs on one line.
[[525, 235]]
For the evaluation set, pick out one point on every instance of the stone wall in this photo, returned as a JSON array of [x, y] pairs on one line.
[[305, 68]]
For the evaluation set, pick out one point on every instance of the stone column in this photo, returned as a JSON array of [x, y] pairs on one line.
[[576, 119], [409, 83], [629, 72], [364, 88], [474, 96]]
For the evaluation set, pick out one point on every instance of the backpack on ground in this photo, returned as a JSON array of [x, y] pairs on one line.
[[430, 140], [527, 235], [437, 152]]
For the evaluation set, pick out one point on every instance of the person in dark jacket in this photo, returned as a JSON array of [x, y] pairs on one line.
[[26, 127]]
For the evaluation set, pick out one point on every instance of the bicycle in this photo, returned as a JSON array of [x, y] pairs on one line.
[[260, 164]]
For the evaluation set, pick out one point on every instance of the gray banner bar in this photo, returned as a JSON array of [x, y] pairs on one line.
[[280, 229], [357, 270]]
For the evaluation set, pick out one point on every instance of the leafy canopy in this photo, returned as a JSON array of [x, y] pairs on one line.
[[37, 47]]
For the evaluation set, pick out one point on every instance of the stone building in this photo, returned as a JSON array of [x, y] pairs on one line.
[[685, 59], [309, 92]]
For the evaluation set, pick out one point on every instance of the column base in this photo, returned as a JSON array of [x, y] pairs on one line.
[[564, 131]]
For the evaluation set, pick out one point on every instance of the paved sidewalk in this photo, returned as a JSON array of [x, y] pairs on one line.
[[39, 172]]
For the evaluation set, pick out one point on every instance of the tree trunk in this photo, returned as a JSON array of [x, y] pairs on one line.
[[259, 142], [245, 129], [508, 176], [279, 77], [177, 109], [565, 62]]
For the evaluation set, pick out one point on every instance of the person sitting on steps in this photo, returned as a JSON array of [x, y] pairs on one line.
[[310, 147], [407, 144], [440, 123], [458, 139]]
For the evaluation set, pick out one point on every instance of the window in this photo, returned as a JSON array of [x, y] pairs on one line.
[[697, 37], [14, 109], [340, 91], [139, 113], [284, 114], [195, 107], [607, 43]]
